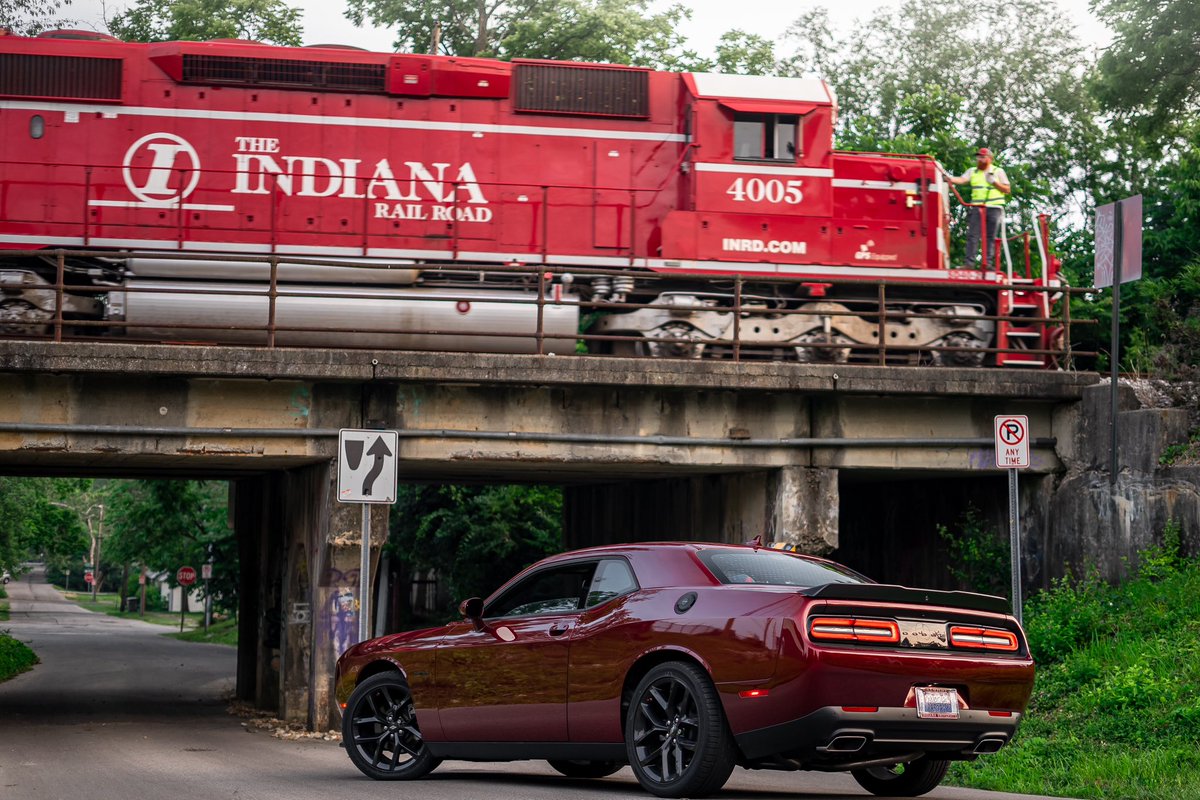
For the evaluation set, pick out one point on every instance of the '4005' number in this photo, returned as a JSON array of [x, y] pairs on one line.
[[771, 190]]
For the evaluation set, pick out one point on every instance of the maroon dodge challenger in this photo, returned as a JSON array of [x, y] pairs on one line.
[[686, 660]]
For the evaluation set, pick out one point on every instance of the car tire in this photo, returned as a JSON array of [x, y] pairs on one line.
[[676, 736], [586, 769], [380, 733], [902, 780]]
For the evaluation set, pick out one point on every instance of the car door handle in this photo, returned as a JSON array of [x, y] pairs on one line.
[[558, 629]]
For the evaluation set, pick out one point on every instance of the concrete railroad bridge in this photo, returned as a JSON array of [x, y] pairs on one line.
[[851, 460]]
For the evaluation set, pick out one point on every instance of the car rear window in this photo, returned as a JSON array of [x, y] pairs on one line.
[[774, 568]]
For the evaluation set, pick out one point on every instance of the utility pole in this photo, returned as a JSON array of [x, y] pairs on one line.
[[97, 542]]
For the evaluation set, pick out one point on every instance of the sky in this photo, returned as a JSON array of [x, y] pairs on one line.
[[324, 22]]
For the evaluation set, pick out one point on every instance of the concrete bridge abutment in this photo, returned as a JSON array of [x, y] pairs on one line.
[[793, 504]]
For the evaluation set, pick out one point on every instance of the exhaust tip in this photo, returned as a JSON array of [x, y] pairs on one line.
[[985, 746], [846, 744]]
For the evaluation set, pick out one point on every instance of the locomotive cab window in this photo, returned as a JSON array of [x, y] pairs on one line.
[[765, 137]]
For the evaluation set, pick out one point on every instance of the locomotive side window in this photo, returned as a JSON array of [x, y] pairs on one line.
[[769, 137], [37, 127]]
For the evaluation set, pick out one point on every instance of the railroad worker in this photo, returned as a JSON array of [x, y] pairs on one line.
[[989, 190]]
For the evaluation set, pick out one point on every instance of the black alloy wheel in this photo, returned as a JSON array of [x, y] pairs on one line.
[[678, 742], [902, 780], [380, 733], [586, 769]]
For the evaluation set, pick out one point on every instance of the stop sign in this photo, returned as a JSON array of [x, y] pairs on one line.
[[87, 577], [186, 576]]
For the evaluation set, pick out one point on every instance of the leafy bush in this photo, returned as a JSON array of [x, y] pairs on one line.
[[1115, 710], [15, 657], [475, 537], [979, 554]]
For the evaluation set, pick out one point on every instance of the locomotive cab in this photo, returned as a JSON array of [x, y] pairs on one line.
[[760, 176]]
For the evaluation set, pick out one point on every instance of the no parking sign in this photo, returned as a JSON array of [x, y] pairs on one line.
[[1012, 441]]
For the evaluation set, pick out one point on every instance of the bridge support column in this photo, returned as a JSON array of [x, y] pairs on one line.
[[798, 505], [805, 509]]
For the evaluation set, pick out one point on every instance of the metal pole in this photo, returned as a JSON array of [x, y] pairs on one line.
[[97, 543], [1014, 533], [207, 567], [364, 577], [1118, 236]]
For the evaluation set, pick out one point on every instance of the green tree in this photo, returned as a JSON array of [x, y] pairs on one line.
[[34, 527], [599, 31], [1002, 73], [164, 525], [1152, 68], [741, 53], [476, 537], [613, 31], [270, 21], [30, 17]]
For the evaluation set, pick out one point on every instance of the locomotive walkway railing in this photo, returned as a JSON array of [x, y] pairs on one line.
[[539, 288]]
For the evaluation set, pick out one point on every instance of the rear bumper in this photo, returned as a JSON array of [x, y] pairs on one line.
[[830, 736]]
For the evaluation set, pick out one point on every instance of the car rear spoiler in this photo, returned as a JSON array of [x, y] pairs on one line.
[[887, 593]]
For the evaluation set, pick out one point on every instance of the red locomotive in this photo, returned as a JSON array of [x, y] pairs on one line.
[[206, 189]]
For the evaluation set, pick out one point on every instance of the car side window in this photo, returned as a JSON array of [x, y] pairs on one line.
[[558, 590], [613, 579]]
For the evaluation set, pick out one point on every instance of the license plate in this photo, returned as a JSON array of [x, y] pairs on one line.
[[935, 702]]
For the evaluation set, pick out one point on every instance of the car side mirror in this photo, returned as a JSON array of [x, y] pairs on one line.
[[472, 609]]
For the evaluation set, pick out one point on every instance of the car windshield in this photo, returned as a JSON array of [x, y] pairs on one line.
[[775, 568]]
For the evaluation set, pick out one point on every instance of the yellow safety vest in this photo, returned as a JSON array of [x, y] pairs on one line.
[[984, 193]]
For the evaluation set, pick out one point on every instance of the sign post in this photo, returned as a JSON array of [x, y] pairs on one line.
[[185, 576], [366, 480], [206, 576], [1012, 454], [1118, 260]]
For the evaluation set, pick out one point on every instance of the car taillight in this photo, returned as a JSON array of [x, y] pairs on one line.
[[849, 629], [983, 638]]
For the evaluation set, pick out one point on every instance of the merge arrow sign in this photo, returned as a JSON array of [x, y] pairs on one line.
[[367, 466], [380, 452]]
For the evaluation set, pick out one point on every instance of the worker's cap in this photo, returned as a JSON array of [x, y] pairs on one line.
[[983, 151]]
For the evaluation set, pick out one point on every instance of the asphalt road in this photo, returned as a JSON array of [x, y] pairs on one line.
[[117, 711]]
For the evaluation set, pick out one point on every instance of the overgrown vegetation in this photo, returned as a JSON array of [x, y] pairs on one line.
[[979, 555], [15, 657], [1188, 451], [475, 537], [1116, 708]]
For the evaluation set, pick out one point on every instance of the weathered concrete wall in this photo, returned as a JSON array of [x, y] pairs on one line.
[[1094, 521], [792, 504]]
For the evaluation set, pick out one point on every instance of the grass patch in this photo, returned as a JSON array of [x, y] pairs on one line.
[[110, 604], [1115, 711], [223, 632], [15, 657]]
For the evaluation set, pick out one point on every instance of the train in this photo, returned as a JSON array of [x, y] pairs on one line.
[[244, 193]]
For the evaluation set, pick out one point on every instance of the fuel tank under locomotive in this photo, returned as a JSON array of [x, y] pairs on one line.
[[475, 320]]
